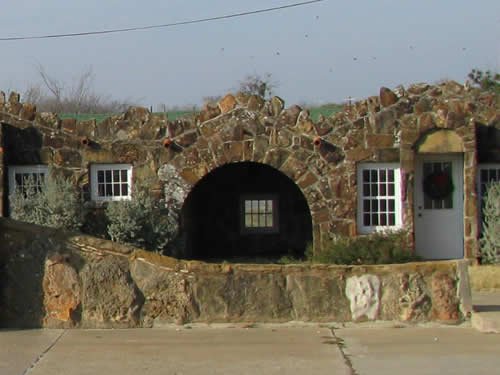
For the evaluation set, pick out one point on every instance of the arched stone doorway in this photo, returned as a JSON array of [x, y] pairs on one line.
[[245, 209]]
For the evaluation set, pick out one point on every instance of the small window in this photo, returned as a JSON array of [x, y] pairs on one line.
[[110, 182], [379, 197], [26, 176], [259, 214], [488, 173]]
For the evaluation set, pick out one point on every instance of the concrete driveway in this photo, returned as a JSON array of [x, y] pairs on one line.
[[262, 349]]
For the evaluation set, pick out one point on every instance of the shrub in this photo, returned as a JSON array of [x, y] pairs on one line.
[[141, 222], [377, 248], [56, 203], [490, 238]]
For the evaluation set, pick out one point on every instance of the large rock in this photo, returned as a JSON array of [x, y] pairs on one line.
[[110, 298], [61, 291]]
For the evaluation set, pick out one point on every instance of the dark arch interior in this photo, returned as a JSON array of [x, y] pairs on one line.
[[213, 214]]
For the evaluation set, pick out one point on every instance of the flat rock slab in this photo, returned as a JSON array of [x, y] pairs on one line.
[[415, 350], [199, 350]]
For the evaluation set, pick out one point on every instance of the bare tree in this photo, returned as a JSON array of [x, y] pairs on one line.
[[53, 95], [258, 85]]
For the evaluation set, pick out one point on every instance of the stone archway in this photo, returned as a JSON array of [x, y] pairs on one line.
[[213, 215]]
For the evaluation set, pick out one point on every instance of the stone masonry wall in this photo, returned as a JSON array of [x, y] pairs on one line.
[[321, 158], [53, 279]]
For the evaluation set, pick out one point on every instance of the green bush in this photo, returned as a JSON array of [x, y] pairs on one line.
[[142, 222], [55, 203], [490, 238], [377, 248]]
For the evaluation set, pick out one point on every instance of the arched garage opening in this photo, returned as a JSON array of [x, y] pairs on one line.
[[246, 210]]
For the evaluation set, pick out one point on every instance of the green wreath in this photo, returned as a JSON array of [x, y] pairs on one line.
[[438, 185]]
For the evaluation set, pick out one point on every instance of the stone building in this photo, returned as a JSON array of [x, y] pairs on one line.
[[249, 176]]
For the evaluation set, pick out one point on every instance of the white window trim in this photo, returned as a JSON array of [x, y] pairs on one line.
[[363, 229], [95, 168], [259, 230], [15, 169]]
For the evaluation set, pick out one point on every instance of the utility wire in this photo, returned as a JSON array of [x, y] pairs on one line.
[[112, 31]]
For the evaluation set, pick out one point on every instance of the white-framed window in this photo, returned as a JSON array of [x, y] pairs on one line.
[[379, 197], [487, 174], [25, 176], [259, 213], [110, 182]]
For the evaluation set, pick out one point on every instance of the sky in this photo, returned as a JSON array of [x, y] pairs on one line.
[[318, 53]]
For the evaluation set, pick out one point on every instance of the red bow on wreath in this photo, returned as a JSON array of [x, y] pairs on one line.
[[438, 185]]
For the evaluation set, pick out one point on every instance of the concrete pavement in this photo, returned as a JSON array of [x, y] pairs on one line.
[[305, 349], [486, 311], [371, 349], [420, 350]]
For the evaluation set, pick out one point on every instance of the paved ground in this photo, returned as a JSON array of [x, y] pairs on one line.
[[379, 348], [200, 350], [422, 351]]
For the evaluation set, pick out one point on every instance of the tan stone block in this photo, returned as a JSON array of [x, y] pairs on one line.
[[255, 103], [426, 122], [440, 142], [28, 112], [189, 176], [227, 103], [360, 154], [307, 180], [233, 151], [380, 140], [321, 216], [387, 97], [61, 289]]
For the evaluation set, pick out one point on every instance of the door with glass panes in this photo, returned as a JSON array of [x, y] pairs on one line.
[[439, 206]]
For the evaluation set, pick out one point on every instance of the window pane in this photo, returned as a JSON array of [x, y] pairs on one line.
[[366, 190], [100, 177], [248, 220], [374, 205], [108, 176], [383, 219], [125, 190], [390, 175], [366, 220], [366, 205], [383, 175], [392, 190], [366, 175], [383, 205], [392, 205], [374, 219], [116, 190], [109, 190], [269, 220], [392, 219], [374, 175], [124, 175], [116, 175], [255, 206], [262, 207], [269, 206], [383, 190]]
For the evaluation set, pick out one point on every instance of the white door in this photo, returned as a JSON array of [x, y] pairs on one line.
[[439, 201]]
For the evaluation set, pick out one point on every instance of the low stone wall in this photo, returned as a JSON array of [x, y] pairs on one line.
[[61, 280]]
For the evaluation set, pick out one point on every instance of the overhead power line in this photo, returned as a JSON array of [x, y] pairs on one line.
[[173, 24]]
